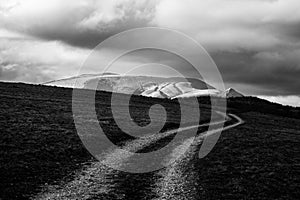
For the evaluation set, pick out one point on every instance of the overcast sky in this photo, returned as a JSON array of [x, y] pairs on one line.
[[255, 43]]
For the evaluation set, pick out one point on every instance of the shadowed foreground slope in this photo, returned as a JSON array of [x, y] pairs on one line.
[[41, 155]]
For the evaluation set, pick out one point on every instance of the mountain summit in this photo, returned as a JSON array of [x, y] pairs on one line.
[[230, 92], [150, 86]]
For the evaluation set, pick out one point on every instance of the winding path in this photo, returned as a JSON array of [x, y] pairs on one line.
[[173, 182], [98, 180]]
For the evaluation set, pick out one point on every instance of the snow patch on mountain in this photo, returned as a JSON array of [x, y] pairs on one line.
[[230, 92], [159, 87], [199, 93]]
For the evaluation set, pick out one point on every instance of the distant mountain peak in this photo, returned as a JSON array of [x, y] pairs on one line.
[[230, 92], [150, 86]]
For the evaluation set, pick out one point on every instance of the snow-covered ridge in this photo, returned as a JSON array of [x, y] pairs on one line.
[[159, 87], [230, 92]]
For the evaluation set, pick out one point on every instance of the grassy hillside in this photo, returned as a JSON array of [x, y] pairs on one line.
[[39, 143], [40, 146], [257, 160]]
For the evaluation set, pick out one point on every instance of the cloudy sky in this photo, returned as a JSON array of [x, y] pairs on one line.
[[255, 43]]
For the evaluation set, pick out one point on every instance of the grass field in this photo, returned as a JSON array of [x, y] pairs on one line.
[[39, 145]]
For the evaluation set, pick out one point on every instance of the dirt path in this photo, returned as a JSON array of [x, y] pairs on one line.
[[176, 180], [97, 180]]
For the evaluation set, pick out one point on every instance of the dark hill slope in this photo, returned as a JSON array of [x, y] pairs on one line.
[[39, 146]]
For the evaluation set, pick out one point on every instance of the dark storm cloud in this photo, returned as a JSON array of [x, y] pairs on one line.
[[269, 75], [82, 23], [255, 43], [175, 62], [231, 25], [85, 38]]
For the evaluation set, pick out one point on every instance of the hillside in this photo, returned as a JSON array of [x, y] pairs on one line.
[[42, 157]]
